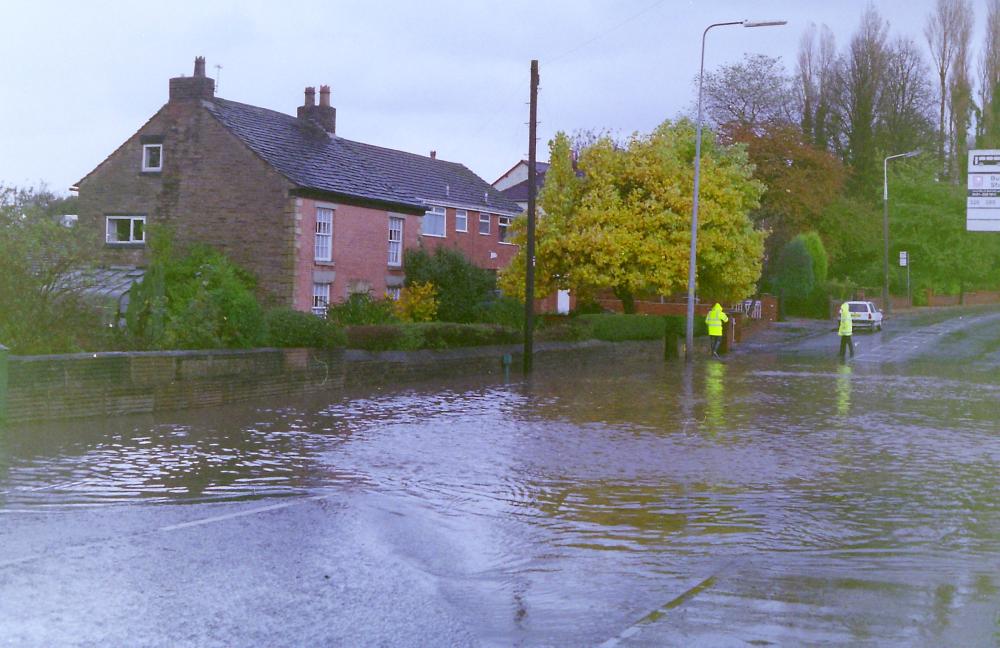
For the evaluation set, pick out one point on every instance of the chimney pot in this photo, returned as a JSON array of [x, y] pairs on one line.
[[324, 95], [310, 96], [434, 155], [196, 87]]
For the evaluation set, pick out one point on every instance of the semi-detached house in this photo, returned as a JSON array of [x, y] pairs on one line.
[[316, 217]]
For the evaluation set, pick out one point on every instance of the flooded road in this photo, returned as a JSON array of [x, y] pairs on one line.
[[779, 498]]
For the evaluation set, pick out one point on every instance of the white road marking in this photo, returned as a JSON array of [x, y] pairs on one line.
[[239, 514]]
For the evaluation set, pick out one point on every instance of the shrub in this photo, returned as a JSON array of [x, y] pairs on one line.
[[360, 309], [291, 328], [377, 337], [41, 309], [428, 335], [443, 335], [561, 328], [461, 285], [505, 311], [616, 327], [417, 303], [198, 301]]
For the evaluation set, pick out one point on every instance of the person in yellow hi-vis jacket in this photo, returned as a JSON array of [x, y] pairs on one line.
[[845, 331], [715, 319]]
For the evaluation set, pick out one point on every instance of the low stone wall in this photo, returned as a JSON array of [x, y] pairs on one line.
[[110, 384]]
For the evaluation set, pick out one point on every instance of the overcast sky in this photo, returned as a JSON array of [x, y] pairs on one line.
[[80, 77]]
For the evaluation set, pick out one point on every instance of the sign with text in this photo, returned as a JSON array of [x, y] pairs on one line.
[[903, 259], [982, 203]]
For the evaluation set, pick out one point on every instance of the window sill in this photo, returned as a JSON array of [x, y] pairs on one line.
[[125, 244], [326, 264], [506, 243], [434, 235], [151, 172]]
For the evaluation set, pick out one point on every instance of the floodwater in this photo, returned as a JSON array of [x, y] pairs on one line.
[[782, 499]]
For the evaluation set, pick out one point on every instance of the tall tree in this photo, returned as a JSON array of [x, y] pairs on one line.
[[801, 180], [960, 93], [817, 72], [905, 107], [861, 83], [750, 94], [942, 33], [988, 127], [624, 223]]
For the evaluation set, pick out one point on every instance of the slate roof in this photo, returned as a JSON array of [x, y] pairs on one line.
[[315, 160]]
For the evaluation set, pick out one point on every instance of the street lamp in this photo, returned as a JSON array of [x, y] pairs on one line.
[[689, 338], [885, 227]]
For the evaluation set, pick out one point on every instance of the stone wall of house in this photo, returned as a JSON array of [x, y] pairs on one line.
[[212, 189]]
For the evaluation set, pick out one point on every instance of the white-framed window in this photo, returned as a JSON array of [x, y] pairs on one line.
[[321, 298], [503, 228], [395, 241], [484, 223], [152, 157], [393, 293], [126, 229], [433, 223], [461, 220], [323, 245]]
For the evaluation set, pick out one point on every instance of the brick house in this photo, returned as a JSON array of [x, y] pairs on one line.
[[314, 216]]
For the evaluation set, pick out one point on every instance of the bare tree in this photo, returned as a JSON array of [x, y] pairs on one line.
[[906, 103], [750, 94], [942, 33], [988, 126]]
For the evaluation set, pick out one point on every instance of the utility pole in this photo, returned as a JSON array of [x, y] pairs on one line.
[[529, 273]]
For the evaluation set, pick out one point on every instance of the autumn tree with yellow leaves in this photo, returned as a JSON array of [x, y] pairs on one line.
[[621, 220]]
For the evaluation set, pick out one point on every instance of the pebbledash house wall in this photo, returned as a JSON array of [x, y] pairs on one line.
[[212, 189], [360, 251]]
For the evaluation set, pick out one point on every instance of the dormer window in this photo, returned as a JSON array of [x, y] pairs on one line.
[[152, 157]]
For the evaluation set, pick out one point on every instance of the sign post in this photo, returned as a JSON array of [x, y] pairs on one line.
[[982, 213], [904, 260]]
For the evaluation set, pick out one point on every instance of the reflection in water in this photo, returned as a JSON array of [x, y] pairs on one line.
[[590, 487], [844, 389], [715, 396]]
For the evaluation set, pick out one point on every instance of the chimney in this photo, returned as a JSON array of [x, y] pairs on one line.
[[324, 115], [193, 87], [434, 155]]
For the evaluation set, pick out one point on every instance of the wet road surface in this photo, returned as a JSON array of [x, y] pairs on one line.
[[779, 498]]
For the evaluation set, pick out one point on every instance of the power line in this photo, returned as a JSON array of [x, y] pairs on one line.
[[605, 32]]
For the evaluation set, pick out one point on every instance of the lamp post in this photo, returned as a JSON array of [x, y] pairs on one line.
[[689, 337], [885, 227]]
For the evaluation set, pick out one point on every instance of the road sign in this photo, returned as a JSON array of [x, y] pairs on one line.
[[903, 259], [982, 203]]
